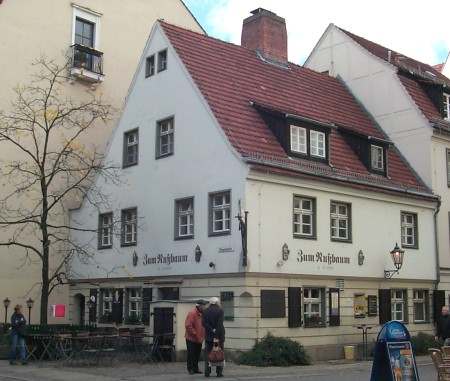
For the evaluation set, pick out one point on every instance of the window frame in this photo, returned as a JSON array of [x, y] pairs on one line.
[[89, 16], [403, 302], [125, 162], [415, 226], [446, 106], [211, 230], [425, 300], [447, 157], [134, 299], [319, 133], [313, 215], [148, 66], [177, 235], [123, 243], [305, 131], [309, 301], [383, 160], [225, 297], [349, 237], [308, 131], [171, 132], [159, 67], [101, 245], [106, 299]]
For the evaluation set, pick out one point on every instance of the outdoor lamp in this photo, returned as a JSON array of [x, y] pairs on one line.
[[30, 303], [198, 253], [397, 257], [6, 303]]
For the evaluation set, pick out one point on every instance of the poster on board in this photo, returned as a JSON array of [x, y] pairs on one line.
[[401, 361]]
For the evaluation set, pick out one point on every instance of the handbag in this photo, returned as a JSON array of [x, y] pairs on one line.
[[216, 355]]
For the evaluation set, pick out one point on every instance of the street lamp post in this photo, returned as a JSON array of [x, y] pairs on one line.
[[30, 303], [397, 255], [6, 303]]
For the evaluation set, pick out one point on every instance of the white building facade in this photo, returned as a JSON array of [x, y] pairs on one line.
[[198, 147]]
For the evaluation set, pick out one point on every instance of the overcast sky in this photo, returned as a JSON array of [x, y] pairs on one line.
[[419, 29]]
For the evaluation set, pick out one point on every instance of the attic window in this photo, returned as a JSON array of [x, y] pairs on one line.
[[446, 106], [298, 139], [377, 157], [307, 141]]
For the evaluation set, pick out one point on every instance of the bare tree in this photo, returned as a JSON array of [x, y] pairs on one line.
[[50, 164]]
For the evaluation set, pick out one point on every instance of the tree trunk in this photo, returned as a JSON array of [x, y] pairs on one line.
[[45, 286]]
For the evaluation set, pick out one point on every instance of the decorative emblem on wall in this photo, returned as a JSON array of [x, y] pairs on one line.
[[285, 252], [198, 253], [135, 259], [361, 258]]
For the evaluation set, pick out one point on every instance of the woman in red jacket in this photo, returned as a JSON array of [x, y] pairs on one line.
[[195, 334]]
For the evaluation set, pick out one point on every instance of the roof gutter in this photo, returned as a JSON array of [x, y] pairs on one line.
[[342, 178]]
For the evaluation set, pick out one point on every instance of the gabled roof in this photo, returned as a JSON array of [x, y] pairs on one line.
[[413, 75], [232, 79]]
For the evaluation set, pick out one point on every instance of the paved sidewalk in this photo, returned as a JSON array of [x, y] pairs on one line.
[[176, 371]]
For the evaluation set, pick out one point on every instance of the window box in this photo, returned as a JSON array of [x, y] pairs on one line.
[[314, 322], [133, 319]]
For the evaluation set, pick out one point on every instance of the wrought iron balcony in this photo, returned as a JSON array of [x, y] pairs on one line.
[[87, 63]]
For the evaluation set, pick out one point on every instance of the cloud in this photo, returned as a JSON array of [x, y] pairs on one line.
[[419, 30]]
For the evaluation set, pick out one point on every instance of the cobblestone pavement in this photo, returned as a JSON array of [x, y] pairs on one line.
[[176, 372]]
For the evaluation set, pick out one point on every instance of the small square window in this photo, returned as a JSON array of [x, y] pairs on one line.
[[162, 60], [220, 213], [377, 157], [130, 148], [165, 138], [150, 66]]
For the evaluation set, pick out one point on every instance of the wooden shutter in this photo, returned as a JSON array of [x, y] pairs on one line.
[[273, 304], [146, 299], [438, 303], [384, 305], [93, 310], [294, 307], [405, 306], [427, 306], [334, 310]]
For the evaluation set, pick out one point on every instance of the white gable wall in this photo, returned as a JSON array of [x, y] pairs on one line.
[[375, 84], [195, 169]]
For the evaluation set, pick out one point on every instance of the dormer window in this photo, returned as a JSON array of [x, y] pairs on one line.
[[446, 106], [306, 141], [377, 157]]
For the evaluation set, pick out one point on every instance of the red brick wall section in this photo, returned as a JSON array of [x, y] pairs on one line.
[[266, 32]]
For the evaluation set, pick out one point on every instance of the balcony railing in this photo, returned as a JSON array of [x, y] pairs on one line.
[[85, 58]]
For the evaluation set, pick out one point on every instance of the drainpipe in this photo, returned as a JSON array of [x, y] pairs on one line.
[[436, 244]]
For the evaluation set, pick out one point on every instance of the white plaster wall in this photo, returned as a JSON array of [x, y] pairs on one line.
[[203, 162], [375, 230], [375, 84]]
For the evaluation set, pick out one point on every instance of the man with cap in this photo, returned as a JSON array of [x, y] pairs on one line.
[[214, 329], [195, 334]]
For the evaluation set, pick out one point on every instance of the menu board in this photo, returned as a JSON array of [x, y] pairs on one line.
[[372, 305], [401, 361], [359, 305]]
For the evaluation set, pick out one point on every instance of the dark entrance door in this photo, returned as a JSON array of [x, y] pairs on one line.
[[163, 320], [81, 305]]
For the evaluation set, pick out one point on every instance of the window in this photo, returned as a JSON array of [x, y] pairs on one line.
[[317, 143], [409, 230], [220, 213], [168, 293], [377, 157], [184, 218], [298, 139], [105, 230], [84, 32], [129, 227], [446, 106], [150, 66], [398, 305], [164, 138], [107, 296], [420, 303], [162, 60], [447, 154], [273, 304], [227, 303], [340, 215], [313, 303], [304, 217], [134, 303], [130, 148]]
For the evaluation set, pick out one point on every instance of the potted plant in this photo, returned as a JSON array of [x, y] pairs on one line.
[[133, 319], [314, 321]]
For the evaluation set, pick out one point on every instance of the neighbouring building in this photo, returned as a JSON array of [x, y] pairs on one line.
[[213, 133], [410, 100], [104, 39]]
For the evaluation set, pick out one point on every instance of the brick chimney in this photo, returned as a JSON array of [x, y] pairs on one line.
[[265, 32]]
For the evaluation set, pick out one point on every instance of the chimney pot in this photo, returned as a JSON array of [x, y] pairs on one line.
[[265, 32]]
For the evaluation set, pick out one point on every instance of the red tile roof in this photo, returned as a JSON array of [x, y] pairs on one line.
[[411, 72], [439, 67], [230, 77]]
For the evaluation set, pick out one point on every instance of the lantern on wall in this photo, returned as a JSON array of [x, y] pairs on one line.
[[285, 252], [397, 255], [198, 253], [361, 258]]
